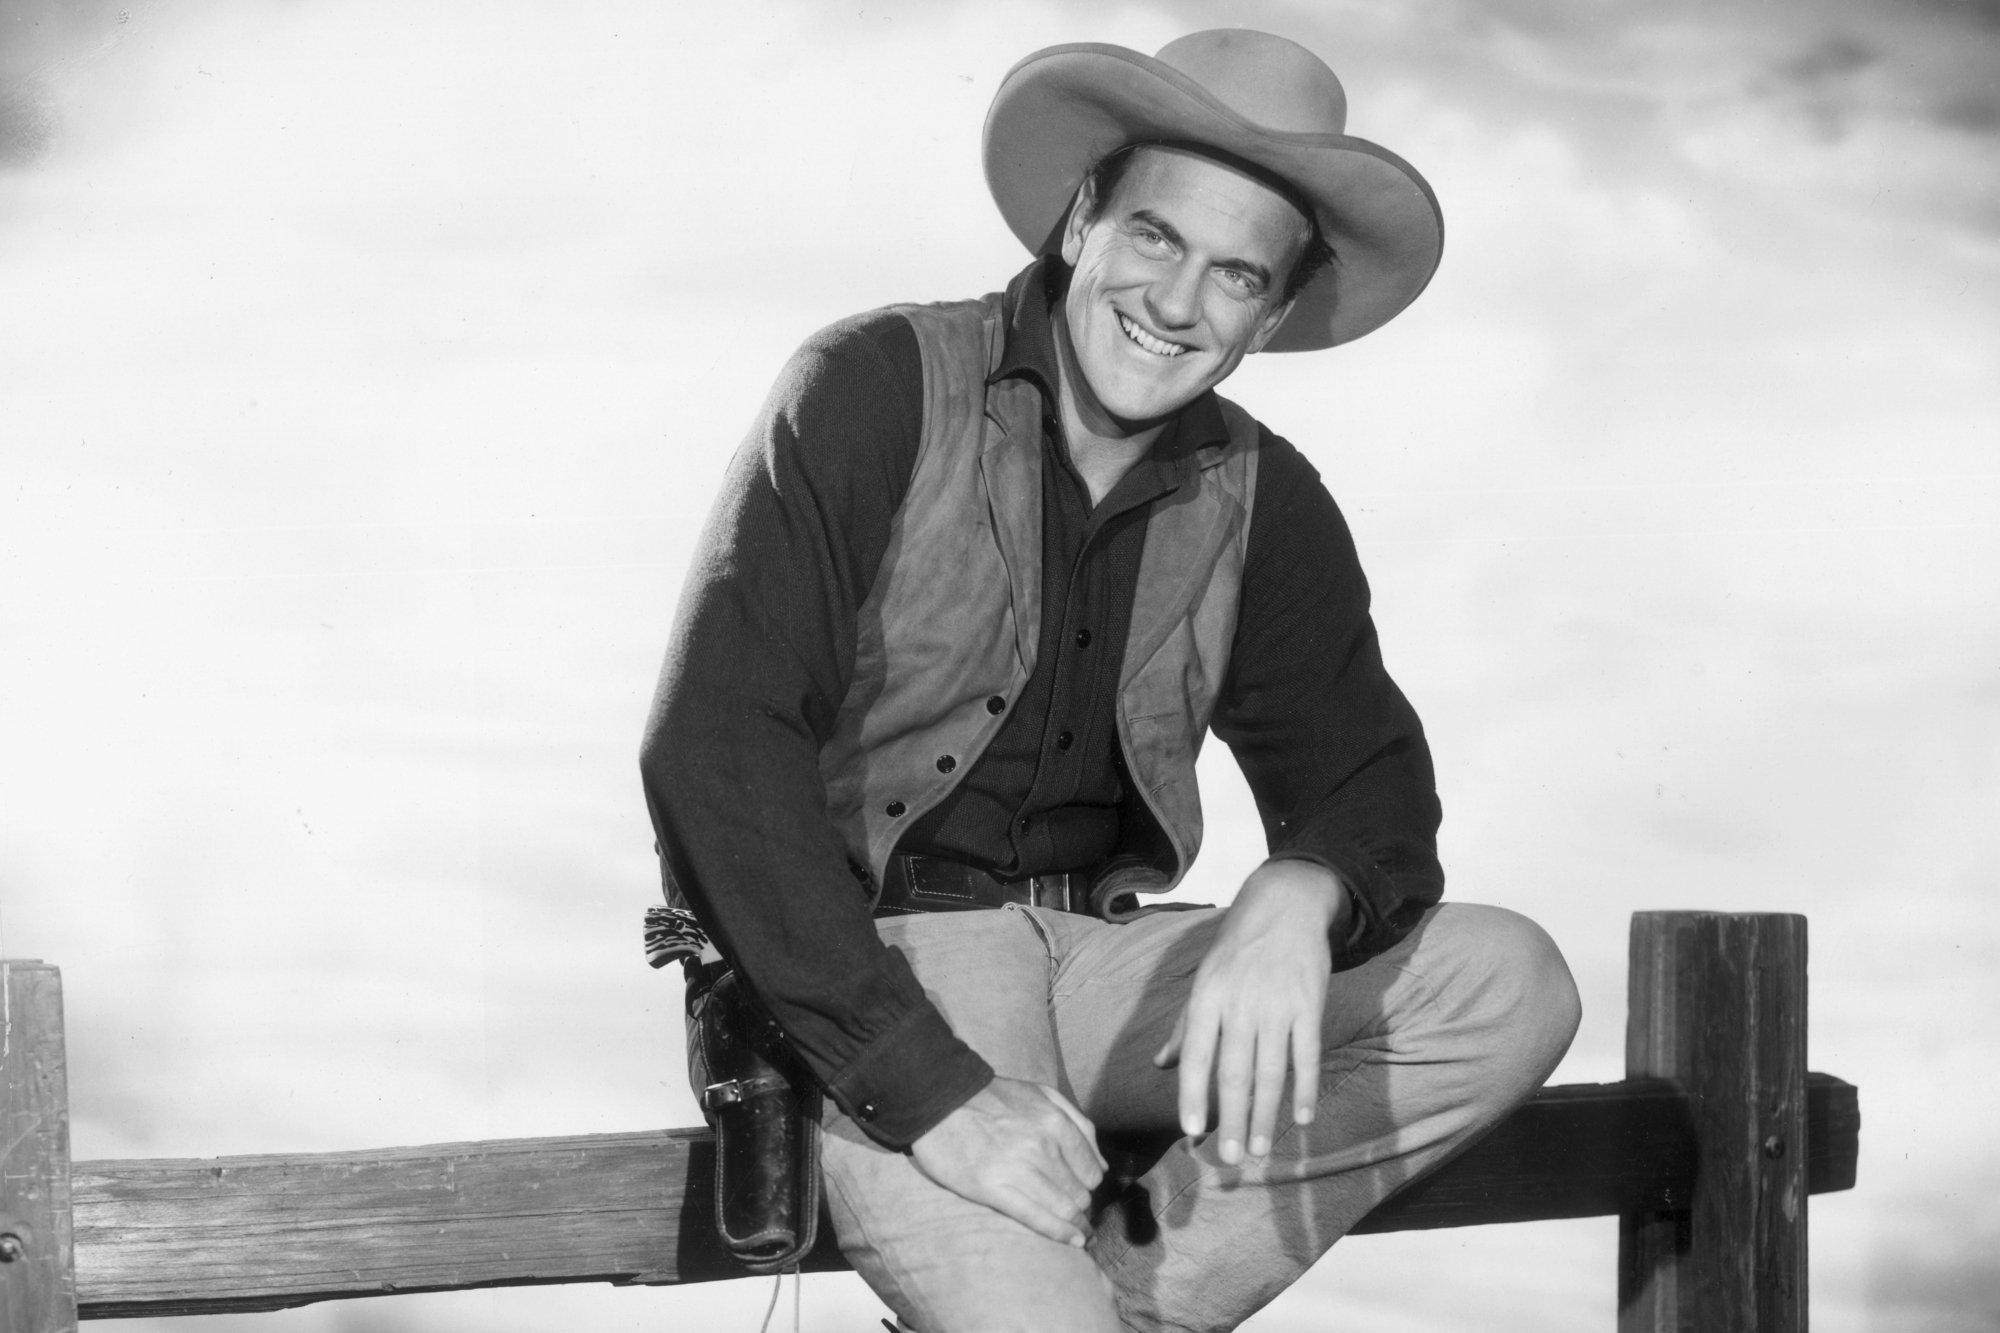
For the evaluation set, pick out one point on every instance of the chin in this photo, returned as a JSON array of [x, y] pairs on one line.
[[1143, 399], [1151, 403], [1148, 409]]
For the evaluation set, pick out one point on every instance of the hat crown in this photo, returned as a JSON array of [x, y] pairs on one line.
[[1263, 78]]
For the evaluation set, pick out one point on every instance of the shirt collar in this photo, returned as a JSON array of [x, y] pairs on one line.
[[1030, 353]]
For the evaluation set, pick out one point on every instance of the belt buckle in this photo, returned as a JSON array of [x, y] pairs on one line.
[[1050, 885]]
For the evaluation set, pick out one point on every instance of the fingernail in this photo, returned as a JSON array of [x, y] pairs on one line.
[[1259, 1146], [1076, 1242], [1303, 1116], [1191, 1126], [1232, 1151]]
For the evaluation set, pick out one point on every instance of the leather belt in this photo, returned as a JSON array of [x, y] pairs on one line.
[[933, 884]]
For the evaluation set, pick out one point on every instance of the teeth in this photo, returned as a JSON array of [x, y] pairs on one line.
[[1157, 346]]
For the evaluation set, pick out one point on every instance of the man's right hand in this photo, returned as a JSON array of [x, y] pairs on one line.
[[1021, 1149]]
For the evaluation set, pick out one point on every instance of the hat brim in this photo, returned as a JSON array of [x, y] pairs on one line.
[[1062, 108]]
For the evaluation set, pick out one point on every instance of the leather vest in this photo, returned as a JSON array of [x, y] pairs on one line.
[[947, 637]]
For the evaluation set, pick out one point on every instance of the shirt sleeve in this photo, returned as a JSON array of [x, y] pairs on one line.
[[759, 661], [1332, 751]]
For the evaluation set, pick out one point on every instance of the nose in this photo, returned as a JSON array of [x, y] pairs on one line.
[[1174, 298]]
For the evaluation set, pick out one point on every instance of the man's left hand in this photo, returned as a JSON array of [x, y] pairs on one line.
[[1256, 1007]]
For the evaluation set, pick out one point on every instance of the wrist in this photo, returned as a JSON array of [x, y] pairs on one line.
[[1307, 887]]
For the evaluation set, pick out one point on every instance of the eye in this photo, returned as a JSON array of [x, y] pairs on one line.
[[1239, 282], [1148, 239]]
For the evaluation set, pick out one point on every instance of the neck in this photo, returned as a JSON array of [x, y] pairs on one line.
[[1102, 447]]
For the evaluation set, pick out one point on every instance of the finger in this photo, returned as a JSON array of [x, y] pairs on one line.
[[1055, 1189], [1305, 1072], [1072, 1154], [1267, 1089], [1233, 1063], [1032, 1167], [1169, 1055], [1068, 1196], [1197, 1065], [1086, 1134], [1079, 1149], [1037, 1217], [1080, 1159]]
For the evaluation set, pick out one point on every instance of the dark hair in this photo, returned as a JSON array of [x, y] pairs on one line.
[[1105, 175]]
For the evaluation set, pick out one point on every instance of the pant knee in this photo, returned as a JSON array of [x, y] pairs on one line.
[[1545, 1008], [1512, 981]]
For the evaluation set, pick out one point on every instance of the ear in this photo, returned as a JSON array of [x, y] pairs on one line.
[[1078, 222], [1269, 325]]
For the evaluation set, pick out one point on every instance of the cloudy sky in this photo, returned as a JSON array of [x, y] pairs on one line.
[[365, 370]]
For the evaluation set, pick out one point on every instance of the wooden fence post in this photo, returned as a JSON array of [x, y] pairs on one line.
[[37, 1269], [1717, 1005]]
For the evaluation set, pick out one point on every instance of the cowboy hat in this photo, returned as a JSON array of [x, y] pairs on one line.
[[1258, 98]]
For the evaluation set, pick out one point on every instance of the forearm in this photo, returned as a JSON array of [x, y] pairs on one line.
[[748, 846], [1331, 748], [759, 662], [1378, 836], [1371, 819]]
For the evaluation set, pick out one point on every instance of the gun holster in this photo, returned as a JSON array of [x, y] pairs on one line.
[[764, 1107]]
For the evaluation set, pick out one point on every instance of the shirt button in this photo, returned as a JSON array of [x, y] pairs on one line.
[[1064, 741], [996, 705], [1083, 638], [866, 1111], [1024, 823], [895, 809], [946, 763]]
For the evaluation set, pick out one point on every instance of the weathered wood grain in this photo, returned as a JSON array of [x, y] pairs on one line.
[[36, 1291], [1585, 1150], [260, 1233], [1717, 1004]]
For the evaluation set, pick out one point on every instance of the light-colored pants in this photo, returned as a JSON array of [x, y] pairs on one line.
[[1426, 1046]]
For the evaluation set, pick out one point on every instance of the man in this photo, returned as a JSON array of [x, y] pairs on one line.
[[980, 579]]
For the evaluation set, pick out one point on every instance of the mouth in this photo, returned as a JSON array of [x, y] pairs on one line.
[[1146, 341]]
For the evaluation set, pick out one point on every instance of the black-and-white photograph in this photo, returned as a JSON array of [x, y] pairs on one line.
[[1177, 665]]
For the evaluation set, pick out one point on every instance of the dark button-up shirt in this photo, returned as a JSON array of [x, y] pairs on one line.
[[1044, 796], [763, 653]]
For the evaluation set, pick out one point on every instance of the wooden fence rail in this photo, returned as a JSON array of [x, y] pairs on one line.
[[1706, 1155]]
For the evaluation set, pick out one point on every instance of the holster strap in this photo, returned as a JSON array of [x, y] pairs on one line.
[[731, 1092]]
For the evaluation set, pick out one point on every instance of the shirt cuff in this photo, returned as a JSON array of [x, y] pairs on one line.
[[908, 1078]]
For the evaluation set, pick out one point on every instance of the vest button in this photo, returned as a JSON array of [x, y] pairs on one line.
[[996, 705], [1064, 741], [866, 1111], [946, 763], [1083, 638], [895, 809]]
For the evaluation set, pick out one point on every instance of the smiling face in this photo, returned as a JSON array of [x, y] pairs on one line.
[[1175, 279]]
